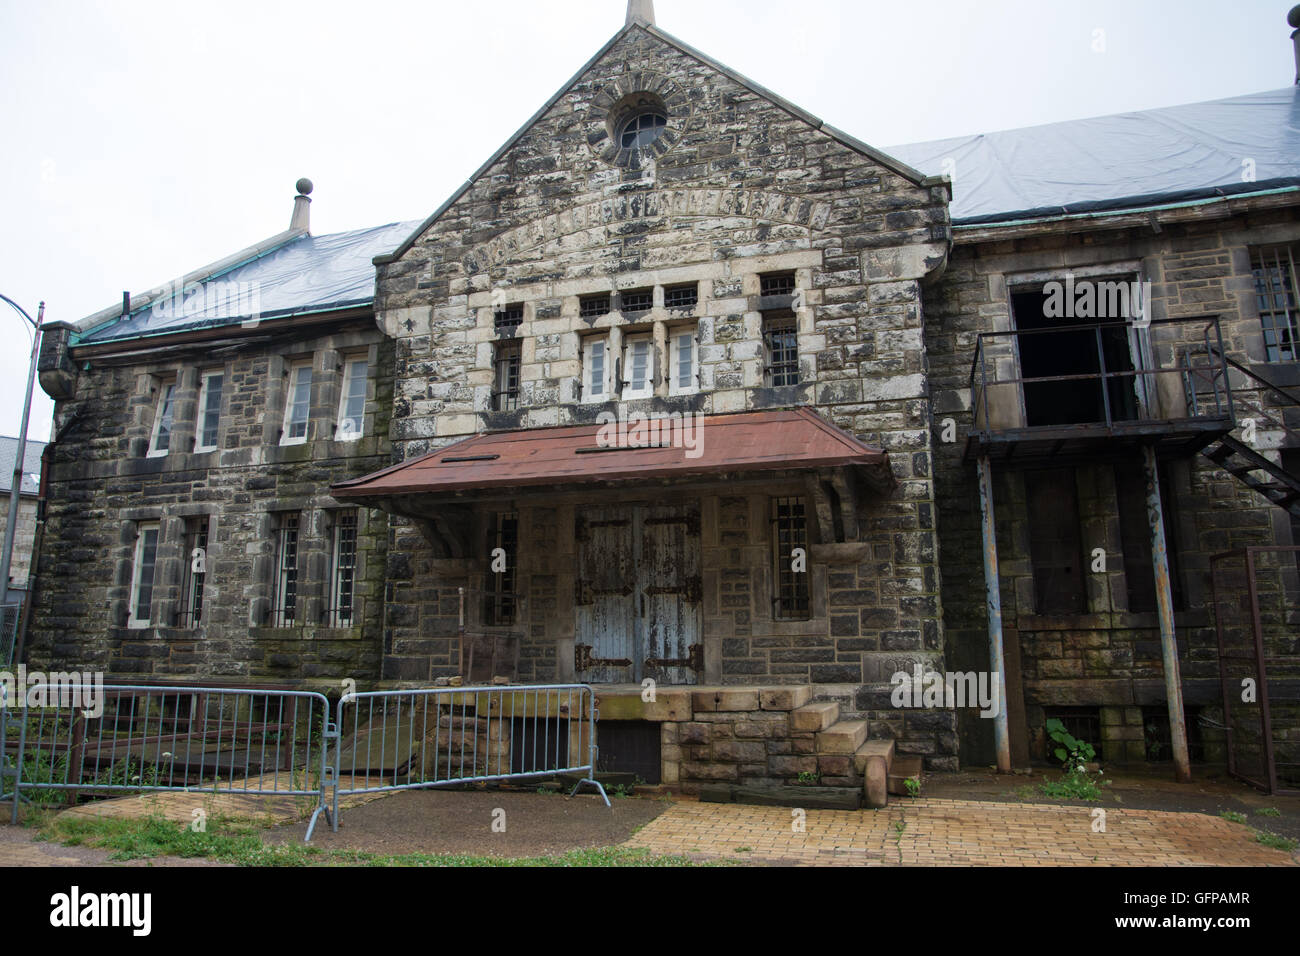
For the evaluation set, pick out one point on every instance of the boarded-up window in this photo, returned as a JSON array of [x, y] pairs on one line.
[[1135, 534], [1055, 542]]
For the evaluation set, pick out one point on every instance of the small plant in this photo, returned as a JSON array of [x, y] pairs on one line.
[[547, 791], [899, 827], [1074, 754], [913, 785], [809, 776], [622, 790], [1276, 842], [744, 849], [1268, 812], [1233, 816], [1074, 786]]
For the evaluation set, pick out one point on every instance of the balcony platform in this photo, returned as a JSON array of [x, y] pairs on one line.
[[1066, 444]]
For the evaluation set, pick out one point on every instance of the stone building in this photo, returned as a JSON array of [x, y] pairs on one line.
[[679, 387], [25, 533]]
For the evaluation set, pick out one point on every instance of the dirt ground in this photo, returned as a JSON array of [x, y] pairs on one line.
[[461, 822]]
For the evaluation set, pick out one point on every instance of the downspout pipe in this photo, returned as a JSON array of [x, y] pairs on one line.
[[993, 602]]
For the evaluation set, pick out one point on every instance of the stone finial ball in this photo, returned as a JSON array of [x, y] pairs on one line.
[[304, 187], [1293, 17]]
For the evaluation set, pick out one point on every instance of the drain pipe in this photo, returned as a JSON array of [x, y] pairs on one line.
[[993, 600]]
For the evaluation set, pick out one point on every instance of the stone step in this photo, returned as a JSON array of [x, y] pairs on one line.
[[842, 737], [904, 767], [815, 717], [873, 760]]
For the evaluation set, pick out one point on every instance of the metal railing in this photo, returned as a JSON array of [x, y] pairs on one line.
[[446, 736], [1182, 362]]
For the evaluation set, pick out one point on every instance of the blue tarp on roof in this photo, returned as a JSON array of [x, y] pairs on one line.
[[1175, 153], [306, 274]]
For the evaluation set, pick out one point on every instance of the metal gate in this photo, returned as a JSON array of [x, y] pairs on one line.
[[638, 594], [1256, 596]]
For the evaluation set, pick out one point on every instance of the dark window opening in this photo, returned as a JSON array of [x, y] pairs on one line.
[[790, 602], [1077, 353], [1158, 740], [639, 300], [630, 746], [1055, 542], [1135, 536], [508, 319], [1275, 295], [505, 382], [593, 306], [781, 337], [195, 572], [1081, 723], [777, 283], [499, 595], [540, 744], [682, 296]]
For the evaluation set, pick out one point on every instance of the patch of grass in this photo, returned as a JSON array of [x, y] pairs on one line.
[[1232, 816], [1285, 844], [744, 849], [1268, 812], [1074, 786]]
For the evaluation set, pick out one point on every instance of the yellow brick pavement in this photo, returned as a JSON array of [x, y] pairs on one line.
[[938, 832]]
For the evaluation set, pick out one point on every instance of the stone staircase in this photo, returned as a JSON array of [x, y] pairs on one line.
[[846, 756]]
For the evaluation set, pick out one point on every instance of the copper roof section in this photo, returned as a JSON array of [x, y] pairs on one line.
[[580, 454]]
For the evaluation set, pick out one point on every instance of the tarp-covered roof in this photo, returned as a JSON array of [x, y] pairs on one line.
[[31, 484], [305, 274], [1119, 161]]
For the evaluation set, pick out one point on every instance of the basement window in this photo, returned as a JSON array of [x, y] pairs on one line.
[[209, 423], [1055, 542], [505, 380], [1081, 723], [160, 440], [1158, 741], [142, 574], [1275, 295], [297, 404], [790, 600]]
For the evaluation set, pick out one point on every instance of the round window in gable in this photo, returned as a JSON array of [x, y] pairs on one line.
[[641, 129]]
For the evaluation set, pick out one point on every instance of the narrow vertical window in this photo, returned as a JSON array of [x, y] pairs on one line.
[[297, 405], [505, 378], [285, 607], [146, 557], [502, 552], [343, 578], [638, 367], [780, 336], [160, 441], [352, 400], [790, 600], [209, 423], [685, 369], [196, 572], [596, 372]]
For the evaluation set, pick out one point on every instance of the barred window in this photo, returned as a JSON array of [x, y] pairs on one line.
[[499, 595], [196, 572], [777, 283], [146, 557], [509, 318], [505, 381], [1275, 294], [285, 608], [593, 306], [790, 601], [343, 578], [682, 296], [781, 337], [638, 300]]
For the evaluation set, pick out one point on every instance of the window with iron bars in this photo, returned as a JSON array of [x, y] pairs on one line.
[[499, 594], [781, 338], [196, 573], [682, 296], [637, 300], [284, 608], [790, 600], [509, 318], [1275, 294], [777, 283], [343, 577], [593, 306], [505, 380]]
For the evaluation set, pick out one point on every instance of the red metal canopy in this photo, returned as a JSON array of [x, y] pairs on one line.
[[580, 454]]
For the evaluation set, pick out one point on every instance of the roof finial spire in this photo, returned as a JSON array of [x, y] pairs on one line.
[[641, 11]]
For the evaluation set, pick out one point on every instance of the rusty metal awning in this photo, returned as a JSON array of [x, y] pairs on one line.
[[700, 446]]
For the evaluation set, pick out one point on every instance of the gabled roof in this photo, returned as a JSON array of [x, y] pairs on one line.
[[1126, 160], [844, 139], [299, 275], [31, 483]]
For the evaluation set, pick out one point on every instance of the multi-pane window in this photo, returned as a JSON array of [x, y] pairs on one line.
[[638, 367], [684, 363], [1275, 294], [284, 608], [502, 552], [593, 306], [352, 400], [160, 440], [146, 557], [790, 600], [297, 404], [781, 338], [343, 578], [505, 377], [196, 572], [777, 283], [508, 319], [595, 370], [682, 296], [637, 300], [642, 130], [209, 423]]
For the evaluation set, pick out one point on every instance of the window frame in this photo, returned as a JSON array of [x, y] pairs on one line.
[[501, 587], [507, 358], [784, 578], [606, 380], [631, 342], [164, 410], [294, 371], [788, 324], [143, 529], [1274, 321], [284, 596], [192, 592], [675, 335], [202, 411], [343, 522], [346, 384]]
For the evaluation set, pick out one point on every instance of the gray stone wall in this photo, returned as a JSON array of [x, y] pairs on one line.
[[24, 537]]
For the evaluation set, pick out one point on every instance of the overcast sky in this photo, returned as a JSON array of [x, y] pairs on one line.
[[143, 140]]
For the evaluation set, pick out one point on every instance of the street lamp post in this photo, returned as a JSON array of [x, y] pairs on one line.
[[6, 558]]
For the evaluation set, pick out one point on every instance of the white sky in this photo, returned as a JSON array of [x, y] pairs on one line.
[[143, 140]]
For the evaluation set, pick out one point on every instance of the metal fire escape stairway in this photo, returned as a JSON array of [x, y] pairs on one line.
[[1278, 485]]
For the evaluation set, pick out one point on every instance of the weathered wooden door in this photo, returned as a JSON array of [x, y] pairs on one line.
[[638, 594]]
